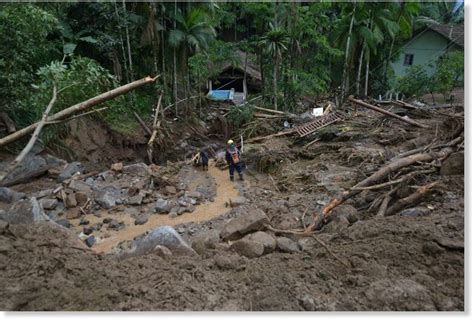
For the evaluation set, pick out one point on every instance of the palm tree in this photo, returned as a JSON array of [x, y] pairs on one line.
[[275, 42], [192, 33]]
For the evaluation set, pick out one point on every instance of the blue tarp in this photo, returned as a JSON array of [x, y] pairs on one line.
[[221, 94]]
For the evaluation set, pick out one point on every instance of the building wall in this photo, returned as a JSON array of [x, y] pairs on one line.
[[425, 48]]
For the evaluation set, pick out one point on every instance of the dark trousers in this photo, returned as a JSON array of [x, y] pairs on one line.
[[233, 167], [205, 166]]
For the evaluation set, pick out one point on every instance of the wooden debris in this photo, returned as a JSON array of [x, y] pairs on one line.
[[320, 220], [385, 112], [412, 199], [32, 140], [156, 127], [79, 107]]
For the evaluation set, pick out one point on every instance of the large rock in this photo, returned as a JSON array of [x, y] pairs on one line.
[[49, 203], [453, 165], [80, 186], [164, 236], [70, 200], [105, 199], [29, 165], [163, 206], [286, 245], [237, 201], [250, 221], [117, 167], [248, 248], [24, 212], [205, 241], [267, 240], [70, 170], [7, 195], [139, 169]]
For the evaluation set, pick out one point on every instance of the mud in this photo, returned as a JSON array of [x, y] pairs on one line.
[[357, 262]]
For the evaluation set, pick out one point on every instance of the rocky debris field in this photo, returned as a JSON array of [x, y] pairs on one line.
[[171, 237]]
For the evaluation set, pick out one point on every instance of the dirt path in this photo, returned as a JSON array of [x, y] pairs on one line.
[[225, 190]]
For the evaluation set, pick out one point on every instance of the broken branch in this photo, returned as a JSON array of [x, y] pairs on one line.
[[79, 107], [383, 111], [32, 140]]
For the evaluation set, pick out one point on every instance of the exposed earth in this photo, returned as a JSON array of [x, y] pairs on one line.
[[241, 245]]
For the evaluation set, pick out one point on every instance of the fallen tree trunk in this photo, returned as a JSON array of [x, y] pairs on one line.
[[411, 199], [385, 112], [319, 220], [8, 122], [79, 107], [32, 140]]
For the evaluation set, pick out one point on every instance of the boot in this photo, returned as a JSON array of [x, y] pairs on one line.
[[232, 178], [241, 176]]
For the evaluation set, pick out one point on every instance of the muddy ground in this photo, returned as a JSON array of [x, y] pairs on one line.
[[358, 261]]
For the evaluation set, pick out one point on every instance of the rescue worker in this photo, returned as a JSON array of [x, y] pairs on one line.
[[204, 159], [232, 156]]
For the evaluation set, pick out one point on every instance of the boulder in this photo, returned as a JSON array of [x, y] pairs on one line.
[[286, 245], [49, 203], [70, 170], [164, 236], [70, 200], [453, 165], [73, 213], [237, 201], [142, 219], [30, 165], [24, 212], [139, 169], [7, 195], [205, 241], [117, 167], [267, 240], [90, 241], [105, 199], [135, 200], [116, 225], [251, 220], [170, 190], [163, 206], [80, 186], [248, 248], [81, 198]]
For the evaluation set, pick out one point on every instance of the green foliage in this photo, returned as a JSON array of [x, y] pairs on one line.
[[449, 73], [79, 80], [241, 115], [415, 82], [24, 31]]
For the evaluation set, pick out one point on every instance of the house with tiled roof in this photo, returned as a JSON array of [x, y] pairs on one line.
[[427, 46]]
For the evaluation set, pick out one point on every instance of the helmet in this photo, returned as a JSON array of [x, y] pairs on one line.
[[230, 142]]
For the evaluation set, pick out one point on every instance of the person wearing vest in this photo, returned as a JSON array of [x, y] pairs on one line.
[[232, 156]]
